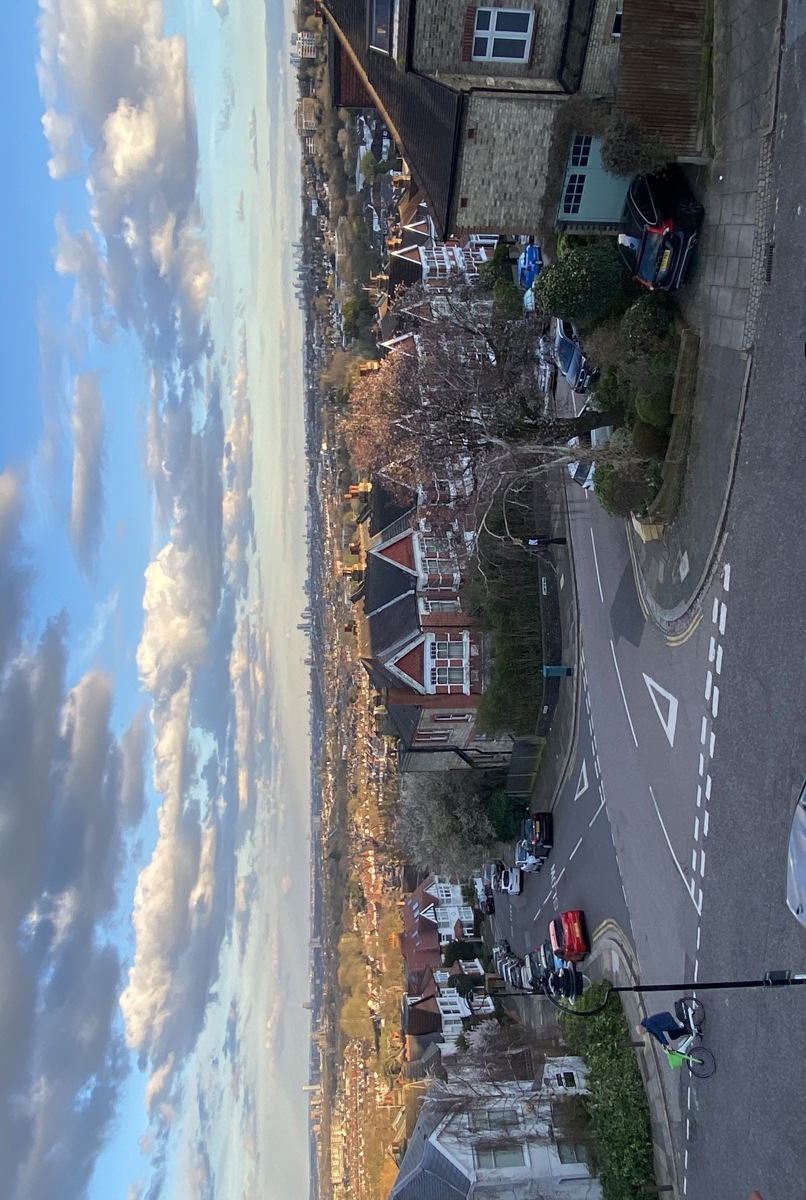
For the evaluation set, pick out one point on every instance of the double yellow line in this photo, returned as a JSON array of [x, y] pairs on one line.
[[671, 639]]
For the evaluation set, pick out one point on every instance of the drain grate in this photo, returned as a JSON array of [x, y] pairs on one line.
[[768, 262]]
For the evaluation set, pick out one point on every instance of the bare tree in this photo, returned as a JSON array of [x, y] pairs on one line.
[[461, 389]]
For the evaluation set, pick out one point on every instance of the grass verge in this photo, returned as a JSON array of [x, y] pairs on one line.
[[617, 1102]]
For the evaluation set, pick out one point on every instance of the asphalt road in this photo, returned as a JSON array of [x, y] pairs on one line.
[[697, 747], [746, 1126]]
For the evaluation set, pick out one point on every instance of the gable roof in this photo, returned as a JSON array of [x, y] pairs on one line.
[[425, 1173], [423, 115]]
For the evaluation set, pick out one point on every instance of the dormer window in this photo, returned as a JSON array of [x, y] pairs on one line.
[[382, 21], [503, 34]]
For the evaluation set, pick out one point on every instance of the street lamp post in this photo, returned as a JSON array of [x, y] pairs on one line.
[[567, 984]]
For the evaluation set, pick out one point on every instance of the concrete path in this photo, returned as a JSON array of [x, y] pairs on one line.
[[723, 299]]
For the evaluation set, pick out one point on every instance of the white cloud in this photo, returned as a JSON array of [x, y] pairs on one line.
[[62, 135], [87, 495], [118, 87], [161, 916], [177, 613]]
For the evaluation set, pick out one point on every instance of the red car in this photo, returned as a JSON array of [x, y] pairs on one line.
[[569, 936]]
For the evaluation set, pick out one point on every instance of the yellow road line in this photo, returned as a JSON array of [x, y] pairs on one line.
[[636, 576], [677, 639]]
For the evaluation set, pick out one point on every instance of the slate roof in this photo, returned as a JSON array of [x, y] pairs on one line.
[[393, 626], [424, 115], [386, 582], [425, 1173], [403, 273], [404, 717], [386, 508]]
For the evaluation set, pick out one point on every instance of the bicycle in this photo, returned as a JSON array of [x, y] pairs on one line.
[[698, 1058]]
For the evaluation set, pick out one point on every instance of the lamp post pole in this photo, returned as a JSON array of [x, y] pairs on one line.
[[567, 984]]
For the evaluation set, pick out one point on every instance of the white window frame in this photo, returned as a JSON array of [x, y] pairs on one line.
[[441, 606], [493, 15]]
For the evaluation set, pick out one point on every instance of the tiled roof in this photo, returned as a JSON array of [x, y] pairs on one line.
[[423, 114], [425, 1173]]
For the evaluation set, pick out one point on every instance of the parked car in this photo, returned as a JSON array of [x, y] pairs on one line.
[[484, 897], [506, 964], [512, 972], [662, 220], [573, 364], [527, 859], [547, 957], [796, 861], [512, 881], [534, 973], [500, 948], [530, 262], [566, 329], [490, 871], [538, 830], [583, 472], [569, 936]]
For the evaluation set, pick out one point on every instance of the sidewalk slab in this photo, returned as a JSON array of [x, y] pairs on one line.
[[722, 301]]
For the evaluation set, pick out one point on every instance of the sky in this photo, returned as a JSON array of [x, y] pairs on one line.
[[154, 743]]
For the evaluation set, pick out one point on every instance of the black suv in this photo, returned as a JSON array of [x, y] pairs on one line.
[[662, 220]]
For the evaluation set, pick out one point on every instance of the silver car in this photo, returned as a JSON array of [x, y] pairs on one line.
[[796, 861]]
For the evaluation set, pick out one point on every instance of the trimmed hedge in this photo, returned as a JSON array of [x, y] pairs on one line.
[[617, 1102]]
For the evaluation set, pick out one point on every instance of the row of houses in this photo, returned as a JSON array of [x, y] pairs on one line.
[[435, 1005], [497, 111], [491, 1132]]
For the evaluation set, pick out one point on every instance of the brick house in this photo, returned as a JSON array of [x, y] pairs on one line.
[[472, 95], [477, 100], [422, 652], [434, 915]]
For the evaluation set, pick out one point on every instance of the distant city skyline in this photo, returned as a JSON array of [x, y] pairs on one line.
[[155, 796]]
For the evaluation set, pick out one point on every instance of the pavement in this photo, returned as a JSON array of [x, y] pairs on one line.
[[722, 301]]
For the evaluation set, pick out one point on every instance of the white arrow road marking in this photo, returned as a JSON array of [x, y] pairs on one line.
[[582, 785], [669, 721]]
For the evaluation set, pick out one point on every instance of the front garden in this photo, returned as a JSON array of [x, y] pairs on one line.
[[632, 338], [617, 1103]]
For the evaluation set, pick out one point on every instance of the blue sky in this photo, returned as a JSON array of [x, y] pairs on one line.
[[154, 763]]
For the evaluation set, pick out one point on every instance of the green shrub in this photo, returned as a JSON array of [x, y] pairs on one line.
[[629, 148], [650, 318], [621, 489], [612, 393], [499, 267], [648, 440], [586, 284], [653, 408], [507, 299], [617, 1102], [506, 815]]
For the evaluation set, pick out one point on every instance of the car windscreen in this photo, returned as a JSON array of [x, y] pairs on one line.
[[651, 251], [565, 354]]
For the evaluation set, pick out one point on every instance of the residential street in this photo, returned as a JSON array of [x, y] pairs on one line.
[[699, 741]]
